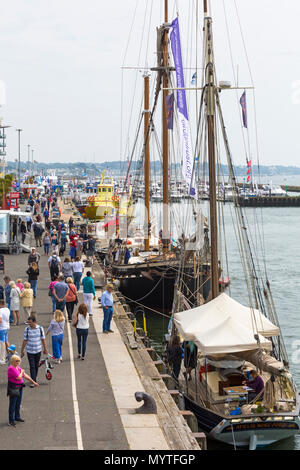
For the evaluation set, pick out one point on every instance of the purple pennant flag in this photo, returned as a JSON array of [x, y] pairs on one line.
[[243, 103], [170, 111]]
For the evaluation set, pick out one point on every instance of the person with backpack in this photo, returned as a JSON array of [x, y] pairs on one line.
[[35, 343], [54, 263], [38, 231]]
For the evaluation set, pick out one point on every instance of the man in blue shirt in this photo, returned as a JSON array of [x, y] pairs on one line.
[[107, 303], [60, 291]]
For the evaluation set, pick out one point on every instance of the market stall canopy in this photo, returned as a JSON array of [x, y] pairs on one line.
[[225, 326]]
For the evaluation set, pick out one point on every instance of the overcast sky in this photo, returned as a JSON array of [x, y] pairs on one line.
[[61, 65]]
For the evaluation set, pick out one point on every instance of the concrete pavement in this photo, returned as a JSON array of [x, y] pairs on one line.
[[55, 418]]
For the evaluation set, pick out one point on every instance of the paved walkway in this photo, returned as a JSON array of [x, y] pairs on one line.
[[77, 409]]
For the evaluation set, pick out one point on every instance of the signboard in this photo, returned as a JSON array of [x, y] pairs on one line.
[[14, 199], [14, 195]]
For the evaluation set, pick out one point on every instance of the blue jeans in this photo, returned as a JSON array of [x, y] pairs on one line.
[[60, 305], [108, 313], [4, 336], [11, 318], [77, 277], [82, 334], [46, 248], [14, 407], [57, 342], [53, 303], [33, 285], [34, 360]]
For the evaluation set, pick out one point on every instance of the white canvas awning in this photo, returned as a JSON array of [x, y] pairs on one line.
[[225, 326]]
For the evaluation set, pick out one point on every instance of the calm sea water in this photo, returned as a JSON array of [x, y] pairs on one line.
[[281, 233]]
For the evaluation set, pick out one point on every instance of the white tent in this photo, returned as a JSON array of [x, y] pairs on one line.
[[225, 326]]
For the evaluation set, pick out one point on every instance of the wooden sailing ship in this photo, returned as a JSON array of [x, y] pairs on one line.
[[233, 339]]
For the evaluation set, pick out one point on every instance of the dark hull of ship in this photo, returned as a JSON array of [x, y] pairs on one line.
[[154, 287]]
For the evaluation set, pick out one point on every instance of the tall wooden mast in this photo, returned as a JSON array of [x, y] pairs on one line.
[[211, 112], [165, 136], [147, 160]]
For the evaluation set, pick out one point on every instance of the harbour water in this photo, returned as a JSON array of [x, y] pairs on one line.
[[281, 234]]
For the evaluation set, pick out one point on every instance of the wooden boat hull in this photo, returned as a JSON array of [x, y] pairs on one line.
[[244, 431]]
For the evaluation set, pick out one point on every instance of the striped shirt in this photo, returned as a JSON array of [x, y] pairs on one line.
[[34, 337]]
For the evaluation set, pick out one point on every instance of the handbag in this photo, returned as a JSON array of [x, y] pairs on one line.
[[12, 390]]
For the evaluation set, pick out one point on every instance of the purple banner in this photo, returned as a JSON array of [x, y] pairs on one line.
[[176, 49]]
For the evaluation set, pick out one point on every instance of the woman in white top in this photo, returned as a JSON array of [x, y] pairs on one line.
[[78, 268], [81, 322], [15, 302]]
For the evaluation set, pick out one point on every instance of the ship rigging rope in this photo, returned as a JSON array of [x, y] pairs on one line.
[[136, 78], [259, 231], [122, 76], [148, 308], [261, 235]]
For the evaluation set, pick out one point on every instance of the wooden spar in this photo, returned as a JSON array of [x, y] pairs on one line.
[[165, 137], [147, 161], [205, 7], [211, 111]]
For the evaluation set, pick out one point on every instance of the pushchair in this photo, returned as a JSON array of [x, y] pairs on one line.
[[48, 366]]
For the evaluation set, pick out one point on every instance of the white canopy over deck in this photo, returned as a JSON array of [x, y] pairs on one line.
[[225, 326]]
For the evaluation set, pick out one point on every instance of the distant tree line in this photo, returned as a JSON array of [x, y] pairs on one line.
[[121, 168]]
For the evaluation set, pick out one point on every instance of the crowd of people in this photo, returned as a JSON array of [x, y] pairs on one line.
[[17, 298]]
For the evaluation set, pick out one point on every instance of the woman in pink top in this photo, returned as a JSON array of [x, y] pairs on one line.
[[20, 284], [15, 376]]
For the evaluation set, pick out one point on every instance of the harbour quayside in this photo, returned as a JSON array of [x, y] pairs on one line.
[[231, 346]]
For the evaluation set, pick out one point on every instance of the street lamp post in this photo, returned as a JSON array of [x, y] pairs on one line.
[[32, 165], [19, 157], [29, 160]]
